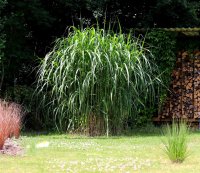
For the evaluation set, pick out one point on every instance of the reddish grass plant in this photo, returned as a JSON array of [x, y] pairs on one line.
[[10, 121]]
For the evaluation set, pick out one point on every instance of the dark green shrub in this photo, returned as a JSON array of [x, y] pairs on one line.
[[163, 46], [2, 42], [31, 104]]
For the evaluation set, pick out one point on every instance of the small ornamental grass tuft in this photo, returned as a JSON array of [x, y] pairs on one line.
[[176, 141], [10, 121]]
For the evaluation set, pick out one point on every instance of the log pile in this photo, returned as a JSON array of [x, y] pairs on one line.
[[184, 97]]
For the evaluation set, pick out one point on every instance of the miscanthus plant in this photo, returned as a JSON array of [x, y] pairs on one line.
[[176, 141], [96, 78]]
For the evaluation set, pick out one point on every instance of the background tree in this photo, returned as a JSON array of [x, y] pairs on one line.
[[24, 19], [31, 27], [2, 41], [176, 13]]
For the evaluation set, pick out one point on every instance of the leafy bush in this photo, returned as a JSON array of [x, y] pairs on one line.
[[97, 80], [163, 45], [10, 121], [176, 141], [2, 40], [32, 106]]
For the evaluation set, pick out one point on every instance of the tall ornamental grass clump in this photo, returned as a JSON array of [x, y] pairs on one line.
[[96, 79], [176, 141]]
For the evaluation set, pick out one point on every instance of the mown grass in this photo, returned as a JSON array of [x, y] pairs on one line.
[[73, 153]]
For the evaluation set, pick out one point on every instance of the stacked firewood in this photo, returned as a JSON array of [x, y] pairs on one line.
[[184, 96]]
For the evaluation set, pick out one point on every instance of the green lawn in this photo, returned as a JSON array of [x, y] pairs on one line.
[[83, 154]]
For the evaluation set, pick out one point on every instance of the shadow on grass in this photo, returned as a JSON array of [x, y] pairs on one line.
[[145, 131]]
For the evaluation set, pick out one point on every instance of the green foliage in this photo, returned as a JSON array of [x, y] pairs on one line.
[[176, 13], [23, 20], [176, 141], [2, 40], [28, 29], [188, 44], [94, 73], [24, 95], [154, 13], [2, 20], [145, 114], [163, 47], [21, 94]]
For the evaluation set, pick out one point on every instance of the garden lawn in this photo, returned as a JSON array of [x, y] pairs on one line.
[[71, 153]]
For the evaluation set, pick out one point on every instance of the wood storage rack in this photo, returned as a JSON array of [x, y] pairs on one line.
[[183, 101]]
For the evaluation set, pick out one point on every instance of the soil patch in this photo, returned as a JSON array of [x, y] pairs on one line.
[[12, 148]]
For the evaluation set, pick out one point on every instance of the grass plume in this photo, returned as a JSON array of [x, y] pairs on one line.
[[99, 74]]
